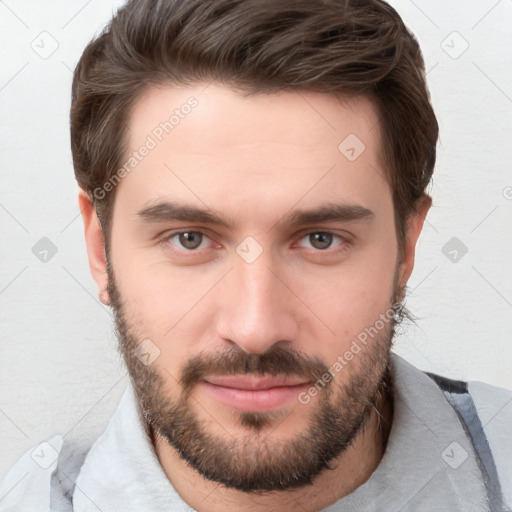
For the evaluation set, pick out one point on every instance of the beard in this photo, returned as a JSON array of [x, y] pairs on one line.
[[254, 462]]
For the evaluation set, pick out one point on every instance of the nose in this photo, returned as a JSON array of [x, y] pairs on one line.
[[256, 309]]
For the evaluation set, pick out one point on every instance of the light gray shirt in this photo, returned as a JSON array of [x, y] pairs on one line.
[[429, 463]]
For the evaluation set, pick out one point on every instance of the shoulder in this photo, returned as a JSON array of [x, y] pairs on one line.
[[27, 485], [44, 476], [494, 407], [49, 470]]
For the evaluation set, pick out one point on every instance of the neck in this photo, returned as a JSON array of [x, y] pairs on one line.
[[350, 470]]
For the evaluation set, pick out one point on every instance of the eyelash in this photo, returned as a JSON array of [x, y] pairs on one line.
[[343, 245]]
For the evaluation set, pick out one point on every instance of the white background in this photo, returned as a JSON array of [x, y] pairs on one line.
[[58, 361]]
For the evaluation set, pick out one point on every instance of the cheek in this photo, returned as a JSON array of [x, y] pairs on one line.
[[368, 296], [346, 300], [169, 307], [369, 286], [154, 290]]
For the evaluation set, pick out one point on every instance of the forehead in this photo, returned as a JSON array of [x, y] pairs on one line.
[[212, 144], [220, 114]]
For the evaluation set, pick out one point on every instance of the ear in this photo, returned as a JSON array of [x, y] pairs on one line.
[[414, 226], [95, 245]]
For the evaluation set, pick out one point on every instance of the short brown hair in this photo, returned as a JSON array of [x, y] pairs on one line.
[[346, 47]]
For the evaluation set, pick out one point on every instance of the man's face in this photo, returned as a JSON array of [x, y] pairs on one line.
[[227, 327]]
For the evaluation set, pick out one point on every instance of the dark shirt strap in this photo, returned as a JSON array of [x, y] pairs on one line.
[[457, 394]]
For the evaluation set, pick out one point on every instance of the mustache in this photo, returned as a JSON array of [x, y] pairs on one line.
[[275, 361]]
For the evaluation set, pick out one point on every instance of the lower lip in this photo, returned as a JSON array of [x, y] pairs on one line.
[[259, 400]]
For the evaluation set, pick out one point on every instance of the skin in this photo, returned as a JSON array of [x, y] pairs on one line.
[[252, 160]]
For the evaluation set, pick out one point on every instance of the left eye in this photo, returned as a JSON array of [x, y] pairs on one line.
[[321, 240]]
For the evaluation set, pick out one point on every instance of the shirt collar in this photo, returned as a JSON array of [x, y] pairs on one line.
[[122, 473]]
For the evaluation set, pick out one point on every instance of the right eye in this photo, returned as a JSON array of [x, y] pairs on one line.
[[188, 240]]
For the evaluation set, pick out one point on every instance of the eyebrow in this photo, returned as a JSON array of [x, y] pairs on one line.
[[166, 211], [327, 213]]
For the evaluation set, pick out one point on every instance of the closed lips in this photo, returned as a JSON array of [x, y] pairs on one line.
[[255, 383]]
